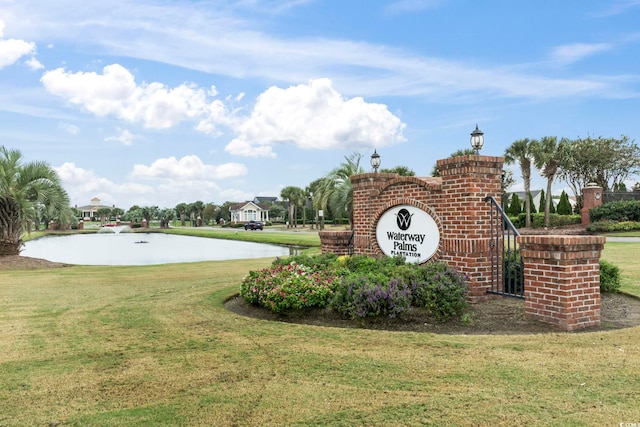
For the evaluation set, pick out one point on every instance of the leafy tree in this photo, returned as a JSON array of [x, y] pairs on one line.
[[166, 216], [564, 205], [23, 189], [209, 212], [606, 161], [134, 214], [276, 211], [547, 159], [520, 152], [103, 214], [400, 170], [224, 211], [149, 213], [117, 212], [620, 187]]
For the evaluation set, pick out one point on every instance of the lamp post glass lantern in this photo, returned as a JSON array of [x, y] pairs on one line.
[[375, 161], [477, 139]]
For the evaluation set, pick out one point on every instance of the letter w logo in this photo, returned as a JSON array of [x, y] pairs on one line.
[[403, 219]]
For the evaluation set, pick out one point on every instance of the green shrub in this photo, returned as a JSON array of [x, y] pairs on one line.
[[555, 220], [609, 277], [440, 289], [605, 226], [624, 210]]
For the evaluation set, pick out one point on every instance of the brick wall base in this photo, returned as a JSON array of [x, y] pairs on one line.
[[562, 279]]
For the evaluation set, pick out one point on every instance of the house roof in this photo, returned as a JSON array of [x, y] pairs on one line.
[[240, 206], [264, 199]]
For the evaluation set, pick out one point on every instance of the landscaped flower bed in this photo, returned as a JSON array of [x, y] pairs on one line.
[[357, 286]]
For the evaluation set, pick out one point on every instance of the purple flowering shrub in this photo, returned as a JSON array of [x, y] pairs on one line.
[[284, 288], [372, 295]]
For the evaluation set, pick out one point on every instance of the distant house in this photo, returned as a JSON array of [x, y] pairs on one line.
[[535, 195], [246, 211], [89, 211]]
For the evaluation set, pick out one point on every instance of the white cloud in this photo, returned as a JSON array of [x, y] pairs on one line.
[[179, 186], [188, 168], [12, 50], [34, 64], [568, 54], [226, 40], [115, 93], [82, 184], [67, 127], [314, 116], [124, 137]]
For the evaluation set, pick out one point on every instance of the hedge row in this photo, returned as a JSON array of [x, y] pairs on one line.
[[537, 220], [621, 211]]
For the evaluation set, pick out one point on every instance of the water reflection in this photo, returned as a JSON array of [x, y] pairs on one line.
[[144, 249]]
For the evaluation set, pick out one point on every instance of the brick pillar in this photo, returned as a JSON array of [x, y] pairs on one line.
[[591, 197], [466, 217], [562, 279], [81, 225], [336, 242]]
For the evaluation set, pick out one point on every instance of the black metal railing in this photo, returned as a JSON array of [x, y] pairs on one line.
[[507, 268]]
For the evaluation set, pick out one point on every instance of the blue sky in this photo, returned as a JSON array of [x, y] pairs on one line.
[[157, 102]]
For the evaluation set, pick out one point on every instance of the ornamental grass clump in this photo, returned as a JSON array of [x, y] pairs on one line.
[[285, 288]]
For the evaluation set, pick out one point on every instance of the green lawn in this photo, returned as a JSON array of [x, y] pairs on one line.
[[154, 346]]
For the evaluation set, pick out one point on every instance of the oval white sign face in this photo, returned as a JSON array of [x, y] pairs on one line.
[[409, 232]]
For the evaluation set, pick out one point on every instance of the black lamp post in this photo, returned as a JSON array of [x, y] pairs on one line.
[[477, 139], [375, 161]]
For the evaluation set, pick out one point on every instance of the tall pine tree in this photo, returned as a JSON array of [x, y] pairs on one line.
[[515, 207]]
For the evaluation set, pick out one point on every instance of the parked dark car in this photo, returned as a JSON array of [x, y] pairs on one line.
[[254, 225]]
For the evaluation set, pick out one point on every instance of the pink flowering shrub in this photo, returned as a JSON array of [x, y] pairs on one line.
[[289, 287]]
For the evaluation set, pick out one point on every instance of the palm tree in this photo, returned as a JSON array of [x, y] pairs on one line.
[[294, 195], [546, 155], [521, 151], [24, 188], [335, 190]]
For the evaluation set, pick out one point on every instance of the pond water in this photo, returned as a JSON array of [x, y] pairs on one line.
[[144, 249]]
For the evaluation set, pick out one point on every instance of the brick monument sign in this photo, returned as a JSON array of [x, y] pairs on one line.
[[446, 218]]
